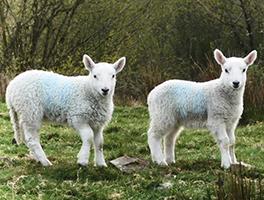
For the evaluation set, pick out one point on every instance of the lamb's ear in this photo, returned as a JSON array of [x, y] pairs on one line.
[[119, 65], [88, 62], [219, 57], [250, 58]]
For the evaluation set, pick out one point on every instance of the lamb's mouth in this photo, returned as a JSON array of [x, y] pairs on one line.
[[105, 92]]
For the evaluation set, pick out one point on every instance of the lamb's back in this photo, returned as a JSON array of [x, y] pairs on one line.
[[24, 89], [45, 93], [58, 98], [183, 97], [192, 104]]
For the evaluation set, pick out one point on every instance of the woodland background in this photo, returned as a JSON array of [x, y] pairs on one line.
[[161, 39]]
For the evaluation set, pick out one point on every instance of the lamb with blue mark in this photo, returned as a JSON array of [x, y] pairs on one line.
[[216, 105], [84, 102]]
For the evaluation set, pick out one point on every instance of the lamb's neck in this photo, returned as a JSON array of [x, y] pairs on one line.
[[233, 95], [100, 98]]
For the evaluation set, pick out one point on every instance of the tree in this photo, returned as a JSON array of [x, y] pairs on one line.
[[237, 18], [44, 34]]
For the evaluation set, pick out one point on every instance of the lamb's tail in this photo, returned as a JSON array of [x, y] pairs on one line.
[[16, 126]]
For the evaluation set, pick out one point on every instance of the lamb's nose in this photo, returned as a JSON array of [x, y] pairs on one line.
[[235, 84], [105, 91]]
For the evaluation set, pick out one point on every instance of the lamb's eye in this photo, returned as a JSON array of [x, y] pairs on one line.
[[113, 76], [95, 76], [244, 70], [226, 71]]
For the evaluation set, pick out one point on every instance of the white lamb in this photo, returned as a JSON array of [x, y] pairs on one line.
[[216, 105], [84, 102]]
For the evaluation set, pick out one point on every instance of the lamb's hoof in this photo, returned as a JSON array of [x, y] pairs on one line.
[[46, 163], [170, 162], [101, 165], [245, 165], [82, 165], [14, 141], [162, 163], [241, 164], [225, 166]]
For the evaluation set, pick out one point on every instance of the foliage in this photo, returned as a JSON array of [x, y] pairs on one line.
[[160, 39], [195, 175]]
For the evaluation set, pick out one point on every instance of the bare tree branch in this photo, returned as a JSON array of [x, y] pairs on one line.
[[248, 20], [215, 16]]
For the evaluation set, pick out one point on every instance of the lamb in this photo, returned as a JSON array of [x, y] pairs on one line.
[[83, 102], [216, 105]]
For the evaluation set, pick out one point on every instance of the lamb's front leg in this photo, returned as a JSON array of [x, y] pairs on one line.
[[98, 146], [231, 135], [223, 142], [86, 134]]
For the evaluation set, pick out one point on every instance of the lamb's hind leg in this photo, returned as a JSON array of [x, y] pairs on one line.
[[169, 144], [31, 139], [154, 141]]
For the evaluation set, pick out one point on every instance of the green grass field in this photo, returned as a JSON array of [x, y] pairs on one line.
[[195, 175]]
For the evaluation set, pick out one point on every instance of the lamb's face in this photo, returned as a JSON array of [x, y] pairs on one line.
[[103, 79], [234, 69], [234, 73], [103, 75]]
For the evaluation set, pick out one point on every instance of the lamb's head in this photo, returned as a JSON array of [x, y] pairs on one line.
[[234, 69], [103, 75]]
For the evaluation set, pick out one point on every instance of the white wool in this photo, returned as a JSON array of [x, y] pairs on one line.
[[84, 102], [216, 105]]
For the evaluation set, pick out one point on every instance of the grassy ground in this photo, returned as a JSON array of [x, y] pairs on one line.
[[195, 175]]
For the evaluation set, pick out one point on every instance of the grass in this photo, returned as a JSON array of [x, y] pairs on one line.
[[195, 175]]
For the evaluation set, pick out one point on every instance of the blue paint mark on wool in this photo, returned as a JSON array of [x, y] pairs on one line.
[[58, 91], [66, 92], [50, 84], [182, 91], [199, 105], [189, 99]]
